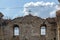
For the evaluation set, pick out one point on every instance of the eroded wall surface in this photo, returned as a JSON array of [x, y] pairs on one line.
[[30, 28]]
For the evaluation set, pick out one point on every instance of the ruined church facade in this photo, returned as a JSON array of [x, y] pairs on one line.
[[30, 28]]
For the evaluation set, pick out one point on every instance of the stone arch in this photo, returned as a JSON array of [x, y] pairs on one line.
[[16, 30], [43, 28], [43, 37]]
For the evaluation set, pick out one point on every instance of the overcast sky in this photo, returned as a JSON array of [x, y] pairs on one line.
[[40, 8]]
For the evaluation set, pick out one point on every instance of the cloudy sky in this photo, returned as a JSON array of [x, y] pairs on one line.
[[40, 8]]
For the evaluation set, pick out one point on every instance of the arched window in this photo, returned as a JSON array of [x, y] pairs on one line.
[[16, 30], [43, 30]]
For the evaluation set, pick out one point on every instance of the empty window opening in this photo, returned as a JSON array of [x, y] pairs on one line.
[[16, 30], [43, 30]]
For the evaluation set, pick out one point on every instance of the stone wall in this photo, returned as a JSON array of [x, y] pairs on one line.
[[58, 23], [29, 28]]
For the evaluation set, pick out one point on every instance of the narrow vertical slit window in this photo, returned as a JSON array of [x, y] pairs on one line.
[[43, 30]]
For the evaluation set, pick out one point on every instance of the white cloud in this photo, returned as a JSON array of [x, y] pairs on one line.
[[36, 7], [57, 7], [53, 13], [36, 14], [6, 13], [39, 4]]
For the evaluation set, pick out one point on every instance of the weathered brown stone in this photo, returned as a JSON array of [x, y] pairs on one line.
[[30, 28]]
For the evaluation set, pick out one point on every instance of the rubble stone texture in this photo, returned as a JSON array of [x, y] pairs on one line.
[[30, 28]]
